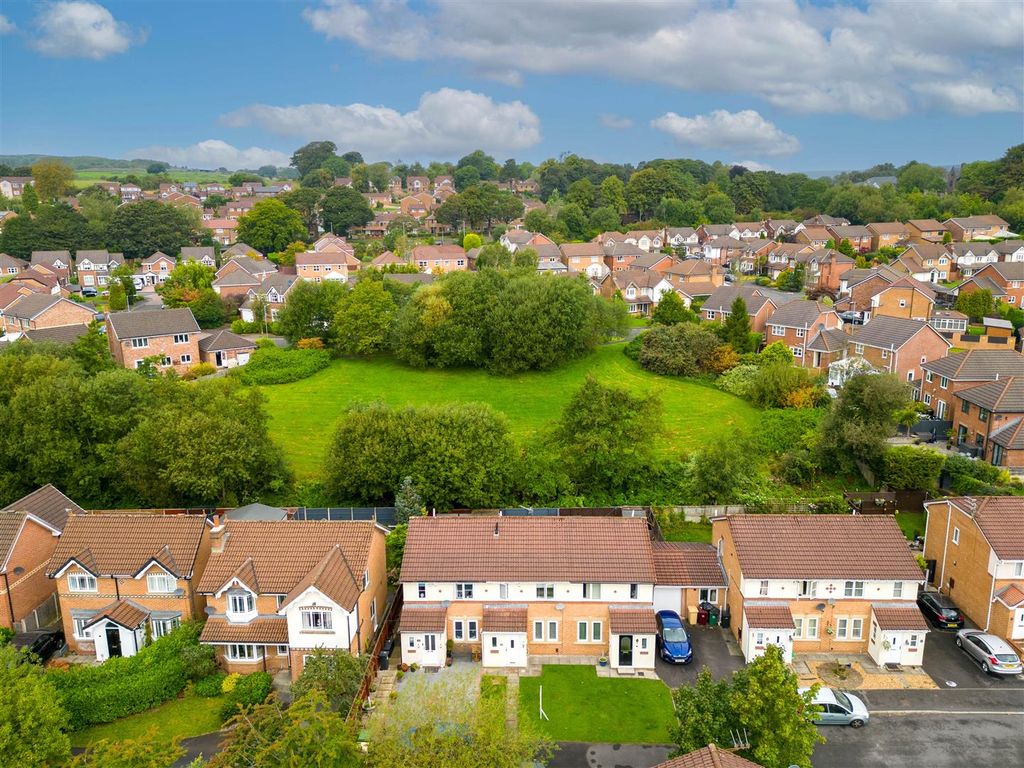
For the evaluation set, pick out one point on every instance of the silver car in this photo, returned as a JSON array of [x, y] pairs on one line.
[[992, 653]]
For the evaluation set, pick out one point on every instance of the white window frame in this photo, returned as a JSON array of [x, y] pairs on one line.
[[319, 619], [545, 592], [897, 589], [708, 595], [853, 589], [762, 589], [850, 628], [1018, 568], [807, 588], [503, 591], [591, 590], [956, 535], [77, 579], [243, 652], [186, 359], [464, 591], [154, 580], [140, 342], [421, 591], [282, 650], [78, 627], [163, 627], [248, 603], [181, 338], [634, 591]]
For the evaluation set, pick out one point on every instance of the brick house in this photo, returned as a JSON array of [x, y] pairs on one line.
[[897, 346], [776, 228], [690, 271], [907, 298], [520, 588], [824, 220], [240, 249], [718, 305], [822, 584], [640, 290], [926, 230], [688, 574], [315, 266], [796, 323], [817, 237], [39, 279], [888, 234], [274, 289], [977, 543], [1004, 279], [707, 232], [94, 267], [55, 262], [204, 254], [970, 257], [9, 265], [682, 237], [621, 255], [946, 376], [783, 256], [858, 286], [825, 348], [588, 258], [29, 528], [278, 590], [240, 274], [417, 206], [987, 419], [825, 268], [438, 259], [170, 334], [722, 250], [156, 268], [121, 578], [44, 310], [857, 236], [225, 349], [223, 231], [974, 227], [927, 262]]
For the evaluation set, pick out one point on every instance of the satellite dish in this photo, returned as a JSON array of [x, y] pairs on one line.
[[820, 607]]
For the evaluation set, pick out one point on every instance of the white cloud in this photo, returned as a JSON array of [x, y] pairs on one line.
[[445, 123], [846, 58], [744, 131], [213, 153], [968, 98], [6, 25], [751, 165], [616, 122], [82, 30]]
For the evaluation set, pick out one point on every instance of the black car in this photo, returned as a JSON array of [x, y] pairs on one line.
[[43, 644], [940, 611]]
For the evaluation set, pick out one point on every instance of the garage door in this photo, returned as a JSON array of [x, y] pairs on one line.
[[668, 599]]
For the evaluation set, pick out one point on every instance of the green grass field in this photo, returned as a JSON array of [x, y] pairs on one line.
[[184, 717], [303, 414], [90, 177], [584, 707]]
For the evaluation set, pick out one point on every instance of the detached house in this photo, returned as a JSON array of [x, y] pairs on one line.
[[946, 376], [274, 289], [751, 230], [588, 258], [927, 262], [156, 268], [970, 257], [640, 290], [857, 236], [977, 543], [204, 254], [279, 590], [517, 589], [796, 323], [988, 420], [815, 236], [316, 266], [888, 234], [897, 346], [926, 230], [29, 528], [822, 583], [718, 305], [123, 578], [438, 259], [172, 335], [54, 262], [94, 267], [977, 227], [907, 298], [621, 255], [711, 231], [9, 265], [1005, 280], [683, 237], [722, 250], [44, 310], [239, 274]]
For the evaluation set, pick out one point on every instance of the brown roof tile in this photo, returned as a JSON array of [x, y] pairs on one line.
[[504, 618], [822, 546], [334, 577], [708, 757], [575, 549], [46, 503], [896, 616], [425, 617], [124, 612], [1011, 595], [1001, 519], [687, 564], [10, 527], [1002, 396], [123, 544], [262, 631], [629, 619], [765, 615]]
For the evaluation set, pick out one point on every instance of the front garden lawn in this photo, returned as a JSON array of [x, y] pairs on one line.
[[584, 707], [184, 717], [303, 413]]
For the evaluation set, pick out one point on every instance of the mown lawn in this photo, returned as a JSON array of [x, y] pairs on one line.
[[184, 717], [674, 528], [303, 414], [911, 523], [584, 707]]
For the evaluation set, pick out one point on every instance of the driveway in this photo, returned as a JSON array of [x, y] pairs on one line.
[[709, 650], [945, 664], [148, 300]]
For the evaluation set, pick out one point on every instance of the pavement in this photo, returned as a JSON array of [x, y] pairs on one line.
[[710, 649], [946, 664], [573, 754]]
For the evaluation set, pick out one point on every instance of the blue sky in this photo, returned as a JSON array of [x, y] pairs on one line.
[[785, 85]]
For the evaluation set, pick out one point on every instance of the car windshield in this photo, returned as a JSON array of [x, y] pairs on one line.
[[674, 635], [1007, 658], [843, 700], [949, 613]]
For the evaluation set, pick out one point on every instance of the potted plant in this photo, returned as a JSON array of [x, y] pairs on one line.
[[368, 705], [413, 667], [448, 661], [404, 667], [475, 653], [450, 645], [603, 661]]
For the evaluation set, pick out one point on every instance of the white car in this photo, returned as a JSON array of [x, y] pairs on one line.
[[992, 653], [839, 708]]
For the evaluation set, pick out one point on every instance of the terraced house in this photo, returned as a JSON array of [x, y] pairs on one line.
[[123, 578]]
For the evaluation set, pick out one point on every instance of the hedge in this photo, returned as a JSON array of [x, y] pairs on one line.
[[911, 468], [248, 691], [272, 365], [126, 685]]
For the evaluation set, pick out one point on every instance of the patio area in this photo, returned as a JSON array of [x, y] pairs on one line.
[[857, 672]]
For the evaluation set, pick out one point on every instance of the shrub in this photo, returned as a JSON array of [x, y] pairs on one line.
[[199, 369], [6, 633], [209, 686], [272, 365], [200, 661], [910, 468], [240, 326], [229, 682], [313, 343], [740, 380], [679, 350], [249, 691], [632, 349]]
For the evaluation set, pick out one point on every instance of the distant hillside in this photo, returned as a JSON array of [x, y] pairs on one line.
[[81, 163]]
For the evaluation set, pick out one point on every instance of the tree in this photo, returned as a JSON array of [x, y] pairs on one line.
[[483, 163], [311, 156], [612, 194], [603, 219], [184, 283], [145, 752], [860, 421], [53, 178], [98, 208], [125, 274], [582, 193], [270, 226], [703, 712], [29, 199], [471, 240], [310, 310], [671, 310], [976, 304], [140, 229], [719, 208], [921, 177], [118, 299], [466, 177], [338, 167], [573, 220], [32, 734], [343, 208], [736, 330], [208, 309], [721, 470], [318, 178], [408, 502], [157, 167], [352, 158], [307, 203], [238, 178], [910, 468], [362, 325], [602, 428], [267, 171], [684, 349], [336, 674]]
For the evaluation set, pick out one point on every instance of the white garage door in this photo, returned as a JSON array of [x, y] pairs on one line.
[[668, 599]]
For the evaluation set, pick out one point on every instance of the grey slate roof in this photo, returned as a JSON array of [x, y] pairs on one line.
[[46, 503], [829, 340], [1009, 435], [978, 365], [724, 296], [164, 322], [61, 334], [889, 332], [7, 261], [1002, 396], [798, 314], [195, 253], [29, 306], [1008, 270], [238, 277], [48, 257], [222, 340]]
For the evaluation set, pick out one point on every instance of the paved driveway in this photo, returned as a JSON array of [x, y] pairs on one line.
[[710, 650], [945, 663]]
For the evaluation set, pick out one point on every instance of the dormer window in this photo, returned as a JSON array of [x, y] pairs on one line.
[[81, 582], [241, 605], [316, 618]]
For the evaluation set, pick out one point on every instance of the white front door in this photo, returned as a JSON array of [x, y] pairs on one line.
[[504, 649], [1018, 625]]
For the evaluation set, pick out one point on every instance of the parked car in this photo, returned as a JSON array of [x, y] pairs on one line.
[[940, 611], [839, 708], [993, 654], [89, 293], [43, 643], [854, 318], [672, 639]]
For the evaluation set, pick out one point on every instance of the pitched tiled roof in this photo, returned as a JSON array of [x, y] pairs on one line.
[[195, 253], [431, 252], [47, 258], [850, 230], [122, 545], [422, 617], [724, 296], [822, 546], [1009, 435], [10, 527], [708, 757], [31, 305], [575, 549], [327, 257], [241, 249], [629, 619], [387, 257], [1001, 519], [926, 225], [718, 230], [768, 615], [164, 322], [124, 612], [687, 564], [888, 228], [6, 260], [222, 339], [267, 630], [582, 249], [59, 334], [1001, 396], [829, 340], [978, 365], [1011, 595], [1008, 270], [286, 555], [46, 503], [504, 618], [887, 332], [238, 277], [798, 314], [899, 616]]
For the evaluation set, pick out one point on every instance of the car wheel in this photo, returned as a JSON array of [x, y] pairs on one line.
[[959, 643], [984, 667], [856, 723]]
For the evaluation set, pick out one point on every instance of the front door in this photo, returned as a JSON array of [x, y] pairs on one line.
[[220, 359], [625, 650], [430, 643], [113, 641]]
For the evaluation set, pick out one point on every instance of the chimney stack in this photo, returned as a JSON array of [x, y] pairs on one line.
[[218, 537]]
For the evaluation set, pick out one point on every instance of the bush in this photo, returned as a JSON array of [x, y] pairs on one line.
[[229, 682], [240, 326], [632, 349], [313, 343], [249, 691], [199, 369], [272, 365], [679, 350], [210, 686], [6, 633], [200, 661], [740, 380], [124, 686], [910, 468]]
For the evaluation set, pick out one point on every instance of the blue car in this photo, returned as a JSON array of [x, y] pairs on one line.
[[673, 641]]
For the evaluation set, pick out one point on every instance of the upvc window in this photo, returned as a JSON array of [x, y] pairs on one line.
[[545, 631], [943, 382], [79, 627], [956, 535], [163, 627], [808, 588], [634, 591], [81, 582], [421, 590], [241, 602], [161, 582], [849, 629], [806, 627], [897, 589], [763, 588], [238, 652], [708, 595], [1018, 568], [319, 619], [140, 343], [591, 591], [181, 338], [545, 591], [503, 591], [463, 591], [465, 629], [853, 589], [186, 358]]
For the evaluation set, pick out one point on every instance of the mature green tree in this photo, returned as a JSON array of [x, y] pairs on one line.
[[612, 194], [483, 163], [736, 330], [312, 156], [719, 208], [92, 352], [343, 208], [582, 193], [408, 502], [976, 304], [145, 752], [338, 167], [647, 187], [307, 203], [29, 199], [208, 309], [672, 310], [603, 219], [267, 171], [271, 226], [362, 325], [118, 298], [704, 714], [924, 178], [140, 229], [53, 178], [318, 178], [32, 723], [98, 208], [336, 674], [158, 167], [466, 177], [184, 283], [721, 470], [684, 349], [607, 432], [860, 421], [573, 220], [310, 310]]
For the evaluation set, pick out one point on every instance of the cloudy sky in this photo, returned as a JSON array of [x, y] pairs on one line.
[[771, 83]]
